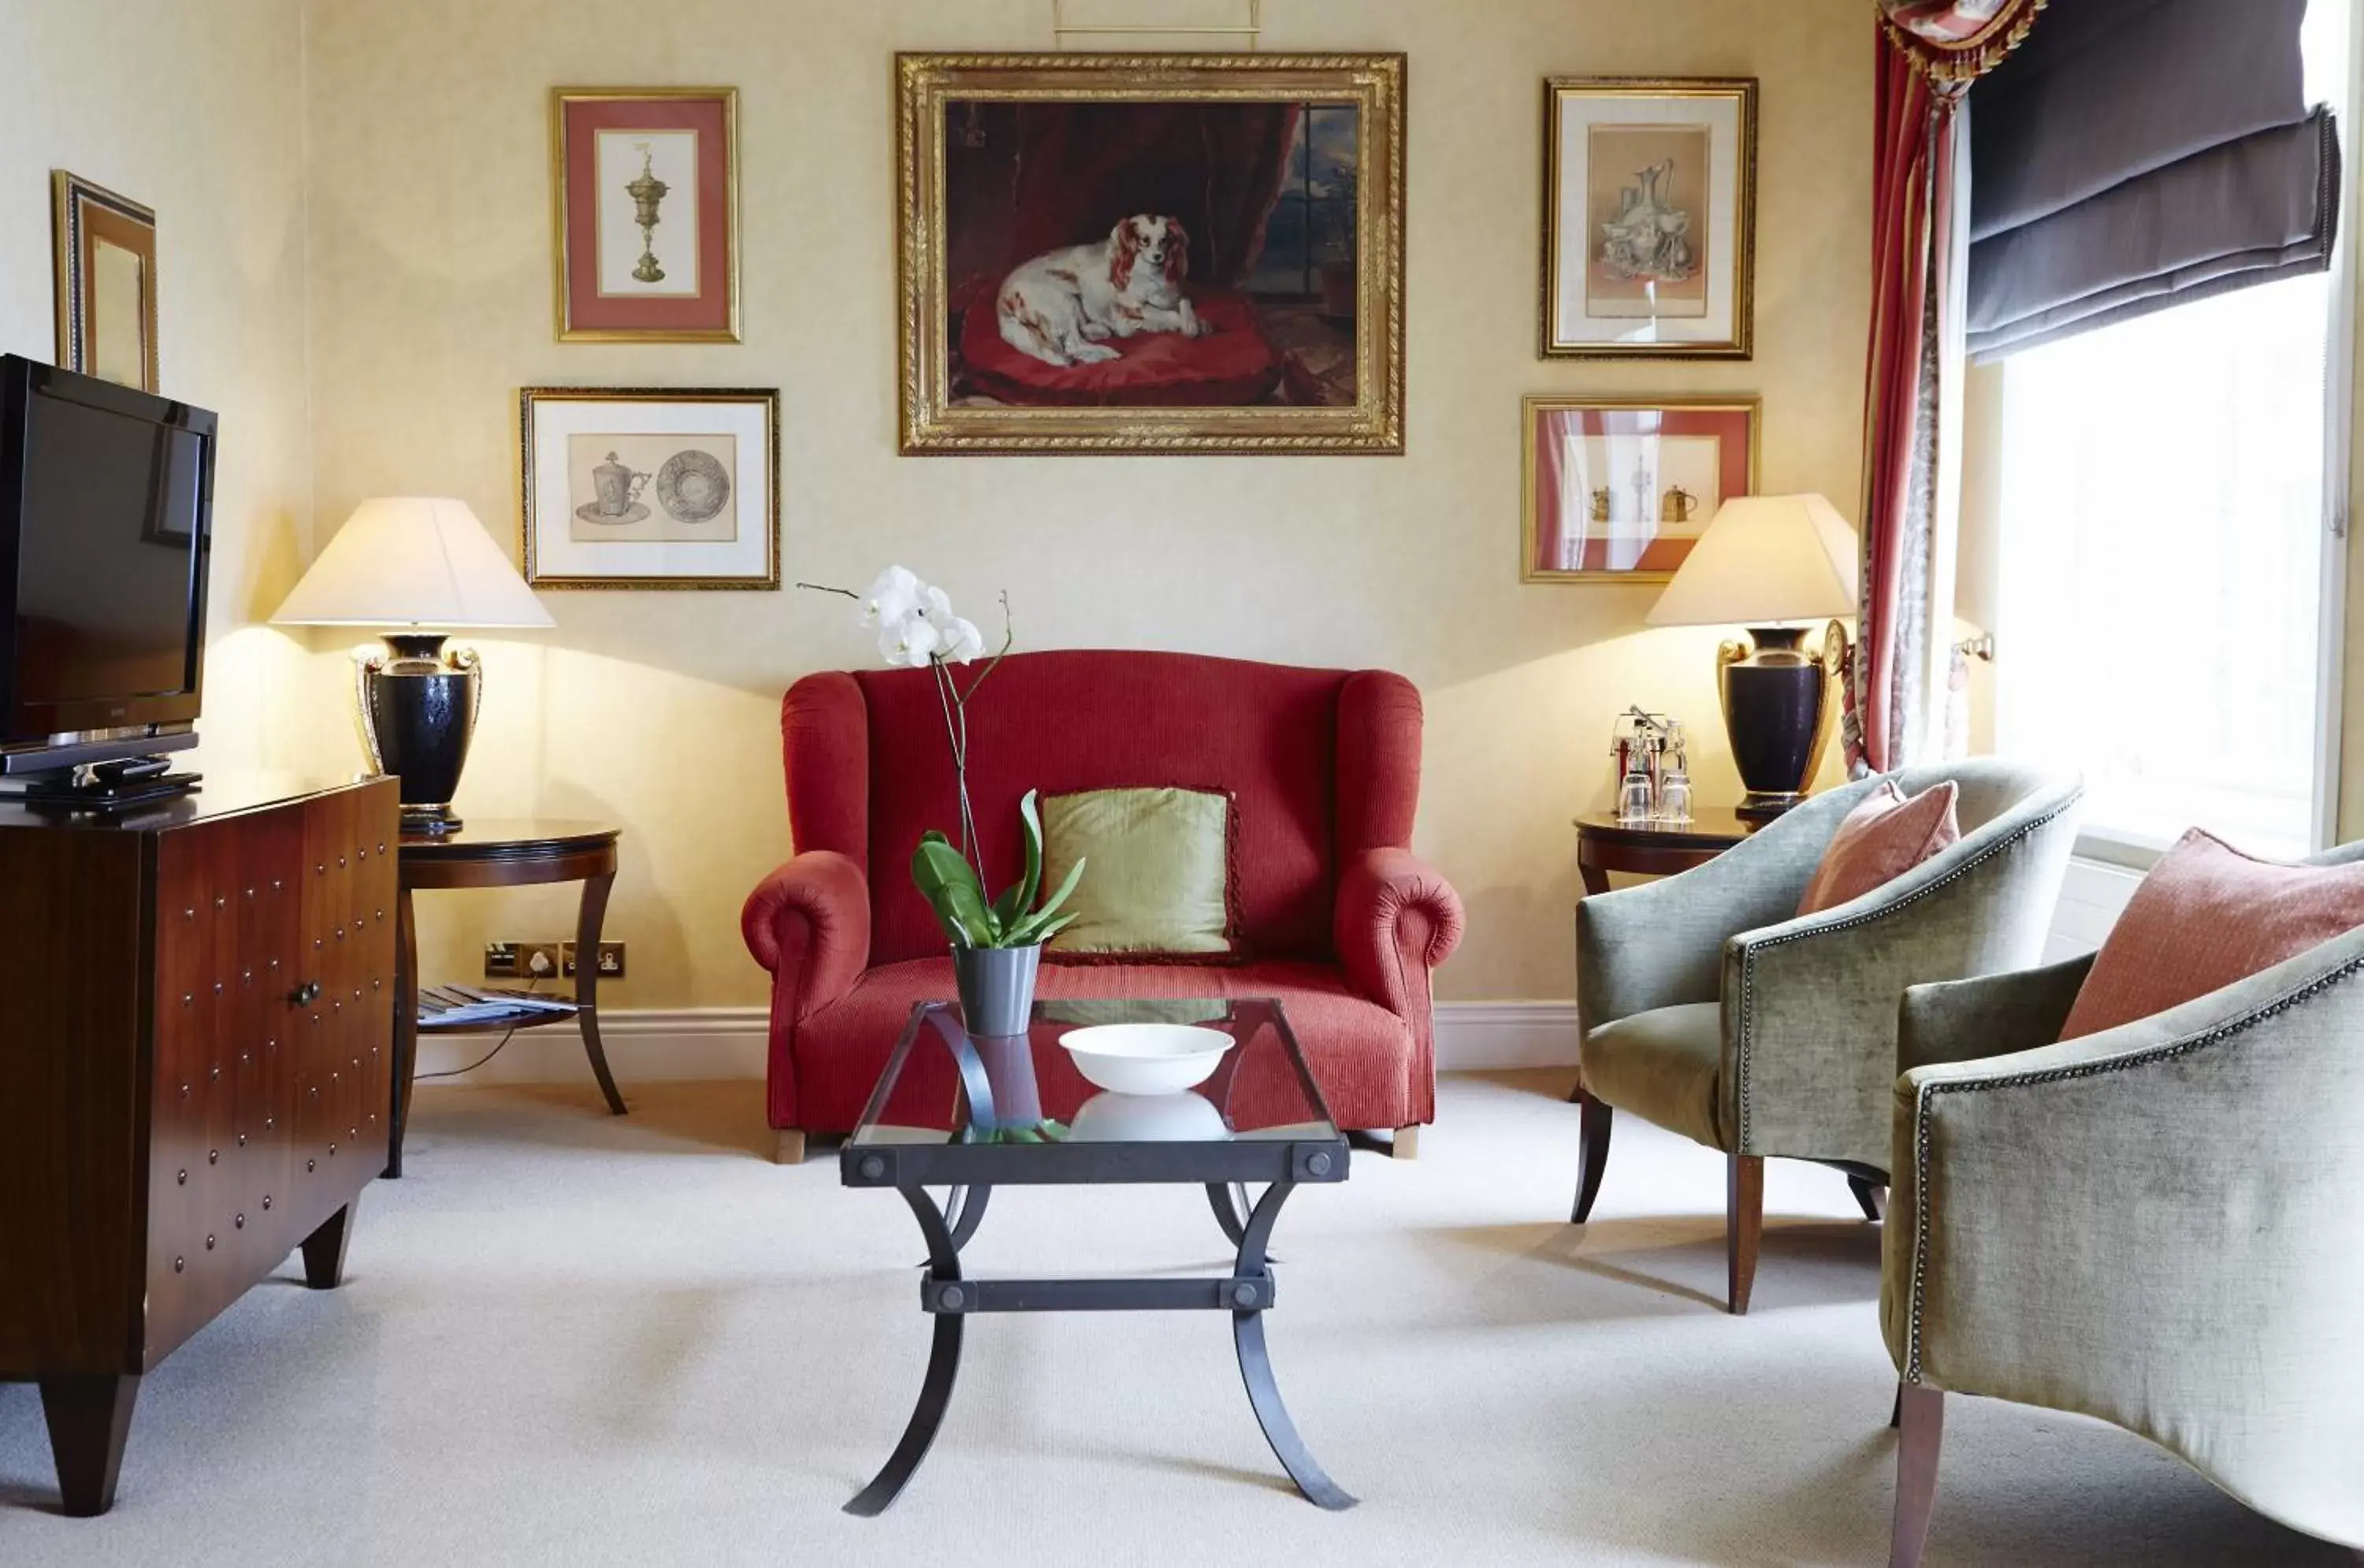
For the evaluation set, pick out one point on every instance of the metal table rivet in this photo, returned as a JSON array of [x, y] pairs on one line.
[[874, 1167], [952, 1297], [1244, 1295], [1319, 1164]]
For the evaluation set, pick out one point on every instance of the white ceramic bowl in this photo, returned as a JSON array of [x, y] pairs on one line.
[[1146, 1059], [1111, 1117]]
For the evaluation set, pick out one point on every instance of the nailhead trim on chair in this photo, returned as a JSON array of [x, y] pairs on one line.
[[2144, 1057], [1748, 965]]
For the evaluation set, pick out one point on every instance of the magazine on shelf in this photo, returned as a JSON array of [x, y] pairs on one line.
[[447, 1006]]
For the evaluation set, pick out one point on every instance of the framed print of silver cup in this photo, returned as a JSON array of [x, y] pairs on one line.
[[1649, 225], [650, 488]]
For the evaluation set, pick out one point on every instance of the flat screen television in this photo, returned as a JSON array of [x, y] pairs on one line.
[[105, 520]]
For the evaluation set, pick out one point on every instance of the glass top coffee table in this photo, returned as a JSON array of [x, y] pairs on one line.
[[972, 1113]]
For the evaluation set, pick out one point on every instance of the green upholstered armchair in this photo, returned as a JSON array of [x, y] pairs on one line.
[[2160, 1225], [1710, 1007]]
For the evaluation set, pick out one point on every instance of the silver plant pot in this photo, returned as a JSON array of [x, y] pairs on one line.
[[996, 987]]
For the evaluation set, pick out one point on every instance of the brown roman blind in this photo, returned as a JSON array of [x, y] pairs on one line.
[[2136, 154]]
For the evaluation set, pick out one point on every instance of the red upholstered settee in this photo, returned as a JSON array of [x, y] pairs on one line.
[[1338, 918]]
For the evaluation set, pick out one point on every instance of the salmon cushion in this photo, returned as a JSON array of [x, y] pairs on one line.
[[1884, 837], [1233, 365], [2206, 916]]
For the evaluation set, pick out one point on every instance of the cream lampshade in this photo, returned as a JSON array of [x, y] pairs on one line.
[[427, 564], [1766, 560]]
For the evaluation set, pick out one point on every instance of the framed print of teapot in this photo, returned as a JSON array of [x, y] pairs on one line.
[[650, 488]]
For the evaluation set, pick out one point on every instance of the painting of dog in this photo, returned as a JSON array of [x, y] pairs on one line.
[[1155, 253], [1063, 306]]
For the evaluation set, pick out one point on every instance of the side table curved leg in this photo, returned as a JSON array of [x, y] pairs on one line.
[[590, 916], [1255, 1366], [1229, 1202], [969, 1213], [943, 1368]]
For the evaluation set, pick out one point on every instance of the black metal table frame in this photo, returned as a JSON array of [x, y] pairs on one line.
[[973, 1170]]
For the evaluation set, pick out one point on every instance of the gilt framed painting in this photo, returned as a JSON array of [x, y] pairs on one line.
[[644, 210], [648, 487], [1151, 253], [1619, 489], [106, 283], [1649, 225]]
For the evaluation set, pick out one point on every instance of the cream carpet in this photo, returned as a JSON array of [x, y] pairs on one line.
[[568, 1339]]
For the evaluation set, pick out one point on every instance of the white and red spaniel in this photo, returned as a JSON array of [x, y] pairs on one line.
[[1063, 305]]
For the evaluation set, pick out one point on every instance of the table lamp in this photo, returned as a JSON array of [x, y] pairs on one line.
[[427, 565], [1764, 559]]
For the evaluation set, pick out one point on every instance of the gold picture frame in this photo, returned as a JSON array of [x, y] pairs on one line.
[[1637, 547], [583, 310], [580, 527], [1658, 285], [1316, 370], [104, 244]]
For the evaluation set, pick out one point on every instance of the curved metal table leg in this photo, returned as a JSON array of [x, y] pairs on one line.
[[943, 1365], [1256, 1365], [967, 1212], [1231, 1204]]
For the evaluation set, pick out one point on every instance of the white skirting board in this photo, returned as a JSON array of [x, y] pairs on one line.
[[729, 1042]]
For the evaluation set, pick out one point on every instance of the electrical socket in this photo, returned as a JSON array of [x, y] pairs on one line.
[[540, 961], [501, 960], [611, 959]]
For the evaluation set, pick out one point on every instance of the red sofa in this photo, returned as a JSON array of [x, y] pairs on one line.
[[1339, 919]]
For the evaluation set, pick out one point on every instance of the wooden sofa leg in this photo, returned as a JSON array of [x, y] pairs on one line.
[[791, 1150], [1869, 1198], [1591, 1153], [1407, 1144], [1744, 1225], [1921, 1411]]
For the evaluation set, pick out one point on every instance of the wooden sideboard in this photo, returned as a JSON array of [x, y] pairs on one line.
[[195, 1038]]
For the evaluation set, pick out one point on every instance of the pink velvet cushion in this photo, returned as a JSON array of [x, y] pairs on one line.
[[2205, 917], [1884, 837]]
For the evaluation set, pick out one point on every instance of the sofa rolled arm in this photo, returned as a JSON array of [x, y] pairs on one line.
[[1991, 1015], [1397, 919], [2155, 1225], [809, 923]]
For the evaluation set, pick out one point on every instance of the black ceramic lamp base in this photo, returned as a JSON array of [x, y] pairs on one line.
[[1773, 698], [418, 713]]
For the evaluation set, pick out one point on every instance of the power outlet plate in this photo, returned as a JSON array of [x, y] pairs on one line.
[[611, 959], [501, 960], [539, 961]]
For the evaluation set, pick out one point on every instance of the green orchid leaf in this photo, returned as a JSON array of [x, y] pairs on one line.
[[949, 883], [1018, 900], [1067, 886]]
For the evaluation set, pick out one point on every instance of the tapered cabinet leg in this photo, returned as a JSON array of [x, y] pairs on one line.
[[1592, 1152], [1869, 1197], [1921, 1423], [1744, 1225], [89, 1418], [324, 1250]]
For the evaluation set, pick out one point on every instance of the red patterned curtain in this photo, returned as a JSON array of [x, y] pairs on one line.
[[1929, 53]]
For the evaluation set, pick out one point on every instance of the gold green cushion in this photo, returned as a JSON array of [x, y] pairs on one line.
[[1158, 881]]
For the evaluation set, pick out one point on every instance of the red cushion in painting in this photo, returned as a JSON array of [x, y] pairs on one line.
[[1234, 364], [1884, 837], [2205, 917]]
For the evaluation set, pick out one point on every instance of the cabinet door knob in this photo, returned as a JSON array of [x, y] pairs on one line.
[[303, 995]]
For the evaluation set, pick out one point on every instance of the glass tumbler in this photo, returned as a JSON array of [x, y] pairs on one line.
[[1634, 801]]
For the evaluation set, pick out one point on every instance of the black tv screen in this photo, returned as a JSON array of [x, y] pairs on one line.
[[104, 504]]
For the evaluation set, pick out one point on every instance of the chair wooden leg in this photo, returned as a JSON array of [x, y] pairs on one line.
[[1407, 1144], [1872, 1200], [1923, 1424], [791, 1149], [1591, 1153], [1744, 1224]]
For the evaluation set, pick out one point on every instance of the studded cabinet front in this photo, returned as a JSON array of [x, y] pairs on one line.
[[273, 975]]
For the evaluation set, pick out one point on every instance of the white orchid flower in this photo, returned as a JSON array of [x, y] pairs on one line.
[[909, 640], [896, 595]]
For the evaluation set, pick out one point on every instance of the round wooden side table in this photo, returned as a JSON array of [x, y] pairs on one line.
[[503, 854], [1604, 844]]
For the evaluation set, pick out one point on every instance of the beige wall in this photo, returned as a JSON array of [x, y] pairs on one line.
[[196, 109], [430, 248]]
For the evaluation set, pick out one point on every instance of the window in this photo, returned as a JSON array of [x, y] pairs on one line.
[[2161, 593]]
